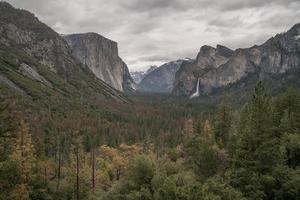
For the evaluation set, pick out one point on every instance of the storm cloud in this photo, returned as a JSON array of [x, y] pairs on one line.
[[152, 32]]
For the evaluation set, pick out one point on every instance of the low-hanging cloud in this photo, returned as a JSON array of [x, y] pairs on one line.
[[157, 31]]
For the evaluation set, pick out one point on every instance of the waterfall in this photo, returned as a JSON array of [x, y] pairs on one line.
[[196, 94]]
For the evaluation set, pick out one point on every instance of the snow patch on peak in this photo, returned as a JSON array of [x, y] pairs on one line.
[[297, 37], [187, 59]]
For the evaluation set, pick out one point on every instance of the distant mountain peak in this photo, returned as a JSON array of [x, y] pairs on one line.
[[161, 79], [224, 51], [151, 68], [4, 3], [206, 49], [295, 28], [138, 76]]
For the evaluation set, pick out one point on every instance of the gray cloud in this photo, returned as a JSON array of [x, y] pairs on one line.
[[157, 31]]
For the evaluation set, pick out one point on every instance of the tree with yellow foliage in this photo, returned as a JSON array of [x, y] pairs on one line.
[[118, 162], [207, 132], [24, 156], [201, 153]]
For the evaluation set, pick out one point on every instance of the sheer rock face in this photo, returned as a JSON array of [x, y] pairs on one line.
[[100, 55], [208, 59], [219, 67], [161, 79]]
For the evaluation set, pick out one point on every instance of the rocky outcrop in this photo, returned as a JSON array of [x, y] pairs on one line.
[[100, 55], [21, 29], [212, 58], [161, 80], [220, 67], [5, 81], [208, 58], [28, 71]]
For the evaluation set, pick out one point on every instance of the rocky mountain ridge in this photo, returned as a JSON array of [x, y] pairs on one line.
[[220, 67]]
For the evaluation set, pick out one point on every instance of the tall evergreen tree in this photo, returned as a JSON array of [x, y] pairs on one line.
[[258, 148], [287, 107], [223, 123], [201, 153]]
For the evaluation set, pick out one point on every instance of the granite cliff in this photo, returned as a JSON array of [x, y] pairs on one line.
[[100, 55]]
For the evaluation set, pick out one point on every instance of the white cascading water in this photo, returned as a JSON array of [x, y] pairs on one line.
[[196, 94]]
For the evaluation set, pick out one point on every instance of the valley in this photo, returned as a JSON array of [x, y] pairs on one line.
[[76, 124]]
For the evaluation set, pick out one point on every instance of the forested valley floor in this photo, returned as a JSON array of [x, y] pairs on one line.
[[150, 148]]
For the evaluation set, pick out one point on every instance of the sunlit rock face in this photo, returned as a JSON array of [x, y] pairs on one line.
[[220, 66], [100, 55]]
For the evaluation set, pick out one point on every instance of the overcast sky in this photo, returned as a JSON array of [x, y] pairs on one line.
[[152, 32]]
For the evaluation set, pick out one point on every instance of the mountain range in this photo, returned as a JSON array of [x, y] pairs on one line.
[[36, 61], [221, 67], [221, 70]]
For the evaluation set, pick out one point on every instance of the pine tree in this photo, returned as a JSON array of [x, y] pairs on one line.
[[258, 147], [288, 116], [202, 153], [208, 133], [189, 127], [9, 120], [223, 123], [287, 108]]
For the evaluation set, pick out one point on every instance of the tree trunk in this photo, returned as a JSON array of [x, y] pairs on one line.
[[58, 169], [77, 174], [93, 167], [22, 142], [45, 174]]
